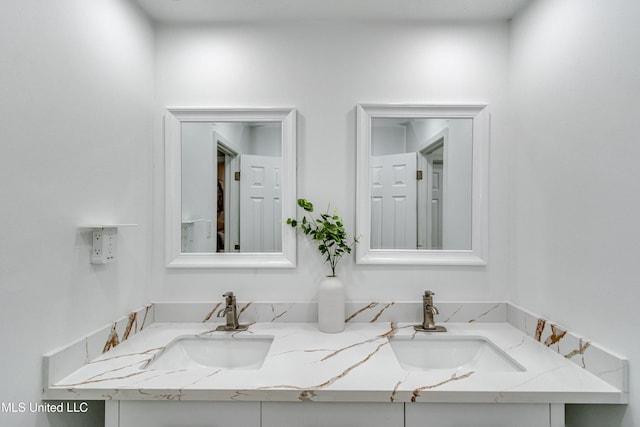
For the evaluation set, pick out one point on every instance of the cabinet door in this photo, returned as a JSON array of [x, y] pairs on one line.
[[476, 415], [188, 414], [303, 414]]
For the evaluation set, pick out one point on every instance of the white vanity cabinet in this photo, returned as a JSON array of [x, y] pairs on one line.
[[484, 415], [126, 413], [134, 413], [318, 414]]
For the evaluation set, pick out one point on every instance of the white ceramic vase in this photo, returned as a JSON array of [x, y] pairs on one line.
[[331, 312]]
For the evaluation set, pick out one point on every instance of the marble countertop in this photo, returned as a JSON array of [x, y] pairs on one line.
[[356, 365]]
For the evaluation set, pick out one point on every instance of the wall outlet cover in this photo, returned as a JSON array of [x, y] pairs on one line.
[[105, 245]]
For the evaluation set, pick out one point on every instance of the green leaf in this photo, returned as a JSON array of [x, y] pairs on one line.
[[306, 205], [328, 230]]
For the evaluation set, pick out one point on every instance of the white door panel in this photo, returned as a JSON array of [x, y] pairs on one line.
[[435, 229], [393, 201], [260, 209]]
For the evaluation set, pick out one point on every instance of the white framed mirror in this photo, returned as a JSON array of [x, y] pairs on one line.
[[230, 185], [422, 184]]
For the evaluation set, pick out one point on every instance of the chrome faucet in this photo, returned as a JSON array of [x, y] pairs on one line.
[[428, 311], [231, 312]]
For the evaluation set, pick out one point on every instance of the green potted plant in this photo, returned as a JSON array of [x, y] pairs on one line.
[[329, 233]]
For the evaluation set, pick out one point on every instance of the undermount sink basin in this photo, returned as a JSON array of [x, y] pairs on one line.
[[468, 353], [224, 352]]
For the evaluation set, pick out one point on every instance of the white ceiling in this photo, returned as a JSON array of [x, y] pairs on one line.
[[176, 11]]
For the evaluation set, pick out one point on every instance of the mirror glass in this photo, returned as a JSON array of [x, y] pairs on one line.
[[421, 175], [231, 187], [230, 181], [422, 184]]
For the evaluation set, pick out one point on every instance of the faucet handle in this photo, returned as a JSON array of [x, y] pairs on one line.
[[428, 297], [229, 297]]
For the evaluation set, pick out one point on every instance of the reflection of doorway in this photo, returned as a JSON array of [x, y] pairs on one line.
[[431, 192], [220, 208], [226, 197]]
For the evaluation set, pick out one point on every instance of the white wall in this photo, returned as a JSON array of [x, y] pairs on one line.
[[199, 172], [324, 69], [458, 172], [76, 84], [421, 131], [387, 138], [575, 85], [266, 140]]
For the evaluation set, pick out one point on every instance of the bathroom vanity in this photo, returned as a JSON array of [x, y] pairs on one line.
[[496, 365]]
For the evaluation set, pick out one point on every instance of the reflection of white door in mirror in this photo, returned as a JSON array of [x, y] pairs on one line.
[[444, 205], [260, 211], [434, 222], [210, 220], [393, 201]]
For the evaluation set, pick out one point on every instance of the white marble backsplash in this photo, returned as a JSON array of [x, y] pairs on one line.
[[356, 312], [578, 349], [60, 363]]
